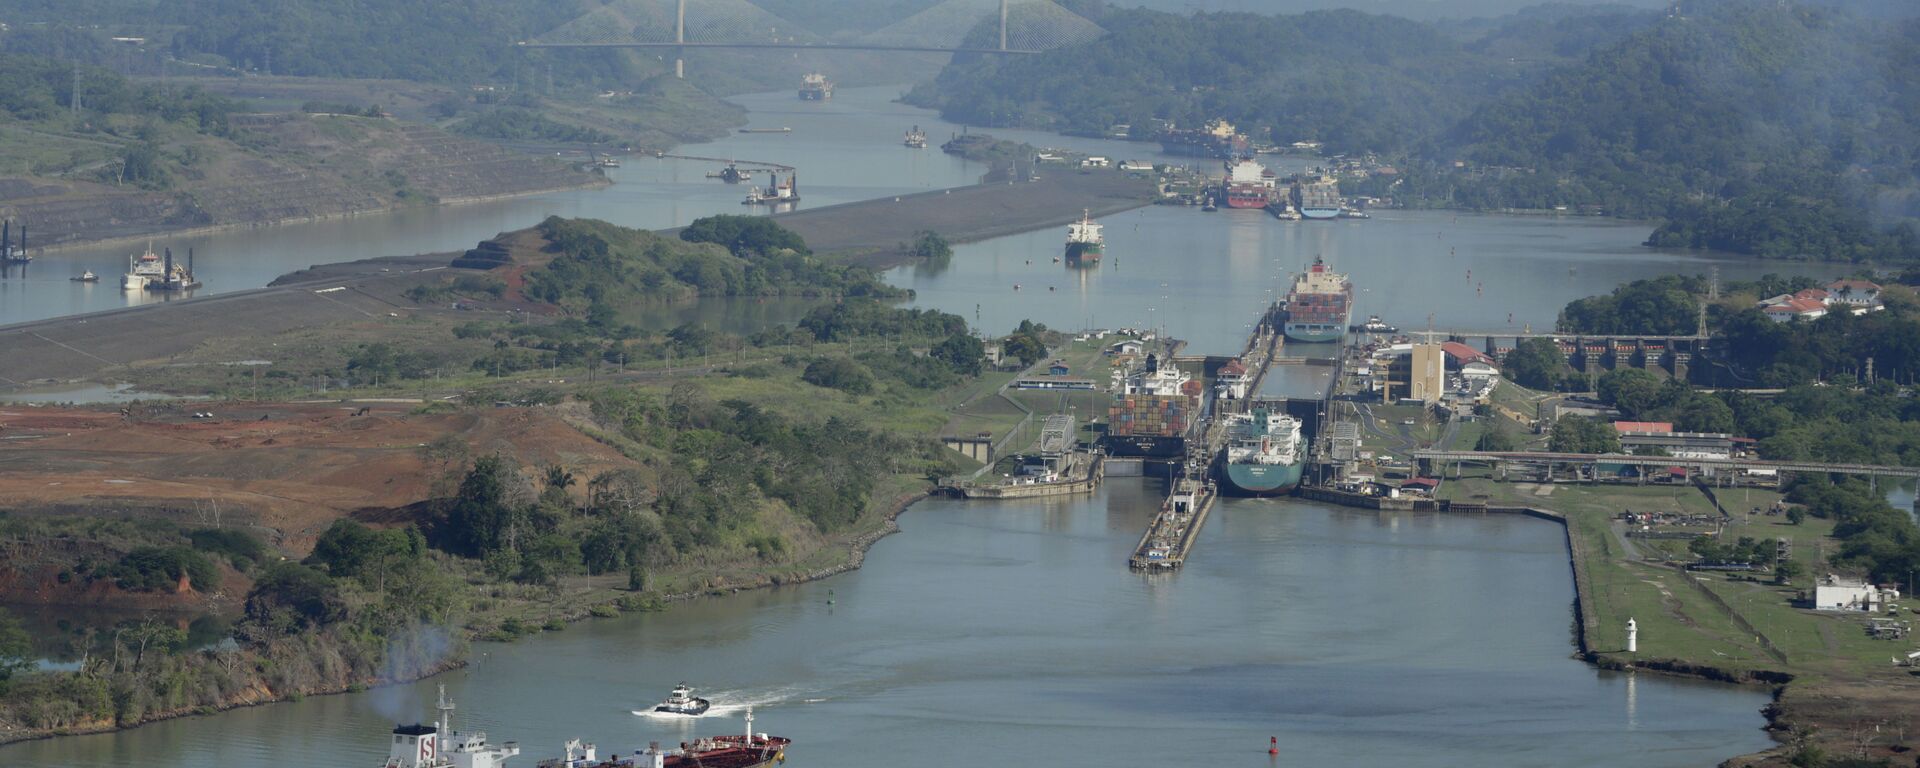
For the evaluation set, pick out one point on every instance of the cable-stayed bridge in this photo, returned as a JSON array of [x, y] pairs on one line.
[[1022, 27]]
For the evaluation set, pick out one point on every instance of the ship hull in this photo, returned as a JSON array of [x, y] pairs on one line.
[[1247, 201], [1145, 446], [1260, 479], [1314, 334], [811, 95], [1084, 253]]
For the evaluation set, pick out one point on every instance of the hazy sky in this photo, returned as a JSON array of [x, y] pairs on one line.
[[1420, 9]]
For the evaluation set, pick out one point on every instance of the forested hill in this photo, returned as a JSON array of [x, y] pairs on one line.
[[1780, 129], [1356, 81], [1783, 130]]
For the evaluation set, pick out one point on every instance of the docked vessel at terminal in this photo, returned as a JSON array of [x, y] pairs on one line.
[[1085, 242], [1248, 185], [1317, 197], [1153, 411], [1319, 306], [1265, 453]]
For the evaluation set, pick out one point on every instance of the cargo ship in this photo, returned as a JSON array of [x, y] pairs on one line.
[[1264, 453], [437, 745], [1218, 139], [815, 87], [1320, 305], [1248, 185], [916, 138], [1153, 412], [1317, 197], [1085, 243], [747, 750]]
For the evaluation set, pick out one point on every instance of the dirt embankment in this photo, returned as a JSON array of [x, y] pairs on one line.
[[287, 470], [289, 167]]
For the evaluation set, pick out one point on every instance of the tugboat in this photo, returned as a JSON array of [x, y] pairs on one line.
[[683, 702], [86, 277], [1377, 326], [732, 175], [748, 750], [916, 138], [439, 746]]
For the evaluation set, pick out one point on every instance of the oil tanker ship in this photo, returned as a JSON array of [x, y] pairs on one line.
[[1319, 306], [1153, 412], [1084, 241], [1264, 453]]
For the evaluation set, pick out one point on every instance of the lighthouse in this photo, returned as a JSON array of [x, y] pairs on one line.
[[1633, 636]]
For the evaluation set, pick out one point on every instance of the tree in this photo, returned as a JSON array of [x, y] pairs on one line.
[[292, 598], [1579, 434], [1634, 391], [481, 518], [744, 236], [839, 373], [1024, 346], [929, 246], [962, 352], [1537, 364], [16, 649], [1498, 437]]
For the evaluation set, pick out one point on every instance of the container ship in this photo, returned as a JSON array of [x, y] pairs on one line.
[[1248, 185], [1084, 241], [815, 87], [1153, 412], [1320, 305], [1264, 453], [1317, 197]]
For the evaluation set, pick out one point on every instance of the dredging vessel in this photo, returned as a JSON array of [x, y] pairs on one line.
[[1264, 453], [1084, 240], [776, 192], [1153, 411], [747, 750], [1320, 305], [815, 87], [10, 253]]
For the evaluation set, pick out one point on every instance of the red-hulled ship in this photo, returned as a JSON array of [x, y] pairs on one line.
[[748, 750], [1247, 185]]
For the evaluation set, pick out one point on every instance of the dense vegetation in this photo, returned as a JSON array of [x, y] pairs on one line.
[[597, 263], [1775, 129], [1662, 306], [1875, 539], [515, 124], [1352, 80]]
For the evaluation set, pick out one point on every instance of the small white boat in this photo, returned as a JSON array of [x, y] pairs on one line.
[[87, 277]]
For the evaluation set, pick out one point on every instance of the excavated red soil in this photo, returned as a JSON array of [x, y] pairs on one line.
[[294, 471]]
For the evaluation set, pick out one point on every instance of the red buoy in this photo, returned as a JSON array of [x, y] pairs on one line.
[[1273, 745]]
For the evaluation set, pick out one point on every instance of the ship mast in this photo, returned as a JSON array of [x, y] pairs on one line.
[[446, 719]]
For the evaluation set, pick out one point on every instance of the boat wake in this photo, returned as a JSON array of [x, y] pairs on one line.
[[730, 703]]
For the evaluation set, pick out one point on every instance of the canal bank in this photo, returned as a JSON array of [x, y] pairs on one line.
[[93, 345]]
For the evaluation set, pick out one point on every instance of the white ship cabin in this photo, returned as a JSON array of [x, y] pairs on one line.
[[579, 755], [439, 746]]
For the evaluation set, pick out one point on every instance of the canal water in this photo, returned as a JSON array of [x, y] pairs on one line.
[[1013, 633]]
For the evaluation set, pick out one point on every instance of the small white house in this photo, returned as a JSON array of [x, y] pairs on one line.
[[1834, 593], [1095, 162], [1858, 293]]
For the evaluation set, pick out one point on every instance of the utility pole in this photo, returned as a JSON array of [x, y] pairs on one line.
[[76, 89]]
